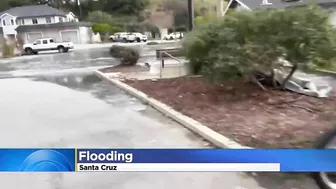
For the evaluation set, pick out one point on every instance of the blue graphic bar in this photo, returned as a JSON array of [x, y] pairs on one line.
[[294, 160], [66, 160]]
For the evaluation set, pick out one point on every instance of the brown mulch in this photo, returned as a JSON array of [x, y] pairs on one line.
[[246, 114], [125, 69]]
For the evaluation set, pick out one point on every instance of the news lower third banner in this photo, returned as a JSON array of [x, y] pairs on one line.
[[167, 160]]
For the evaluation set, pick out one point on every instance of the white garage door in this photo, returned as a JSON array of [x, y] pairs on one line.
[[31, 37], [70, 36]]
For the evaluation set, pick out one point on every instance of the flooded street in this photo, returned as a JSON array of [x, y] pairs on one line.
[[54, 100]]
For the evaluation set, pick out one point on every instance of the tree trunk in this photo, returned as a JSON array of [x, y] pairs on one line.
[[274, 82], [294, 68]]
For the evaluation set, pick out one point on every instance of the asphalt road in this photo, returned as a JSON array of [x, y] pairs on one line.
[[54, 100]]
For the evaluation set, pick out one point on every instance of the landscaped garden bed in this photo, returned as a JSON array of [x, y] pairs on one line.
[[244, 113]]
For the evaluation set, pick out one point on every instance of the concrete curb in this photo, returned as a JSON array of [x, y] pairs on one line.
[[326, 72], [196, 127]]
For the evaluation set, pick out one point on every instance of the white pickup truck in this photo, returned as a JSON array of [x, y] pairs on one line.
[[47, 44], [123, 37]]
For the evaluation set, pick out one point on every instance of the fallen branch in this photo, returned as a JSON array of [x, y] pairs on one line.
[[274, 82], [255, 80], [283, 85], [304, 108]]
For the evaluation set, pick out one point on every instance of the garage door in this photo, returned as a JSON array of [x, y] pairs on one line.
[[31, 37], [70, 36]]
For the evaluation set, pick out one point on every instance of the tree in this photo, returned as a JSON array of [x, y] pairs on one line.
[[59, 4], [202, 8], [6, 4], [100, 17], [125, 7], [245, 43]]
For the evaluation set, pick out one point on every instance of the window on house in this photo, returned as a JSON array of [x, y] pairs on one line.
[[4, 22], [17, 22], [48, 19], [34, 21], [45, 41], [12, 21], [22, 22], [60, 19], [52, 41]]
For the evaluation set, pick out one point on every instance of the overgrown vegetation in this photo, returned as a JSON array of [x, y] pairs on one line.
[[248, 42], [105, 30], [20, 42], [7, 50], [126, 55]]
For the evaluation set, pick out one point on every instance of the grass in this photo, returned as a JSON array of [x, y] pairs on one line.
[[331, 68], [323, 66]]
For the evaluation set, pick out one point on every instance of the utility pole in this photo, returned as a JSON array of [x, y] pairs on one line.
[[80, 10], [191, 14]]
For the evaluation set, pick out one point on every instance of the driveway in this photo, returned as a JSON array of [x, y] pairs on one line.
[[54, 100]]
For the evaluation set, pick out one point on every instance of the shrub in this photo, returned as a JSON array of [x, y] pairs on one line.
[[101, 28], [127, 56], [20, 42], [152, 43], [202, 20], [7, 50], [115, 29], [245, 42]]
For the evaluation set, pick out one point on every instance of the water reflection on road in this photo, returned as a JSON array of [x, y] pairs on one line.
[[56, 62]]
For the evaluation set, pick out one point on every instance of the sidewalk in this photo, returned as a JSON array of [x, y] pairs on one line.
[[103, 45]]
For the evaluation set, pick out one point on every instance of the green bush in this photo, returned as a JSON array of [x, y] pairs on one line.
[[115, 29], [202, 20], [101, 28], [127, 56], [7, 50], [152, 43], [244, 42]]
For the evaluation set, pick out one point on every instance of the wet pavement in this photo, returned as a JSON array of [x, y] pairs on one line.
[[54, 100]]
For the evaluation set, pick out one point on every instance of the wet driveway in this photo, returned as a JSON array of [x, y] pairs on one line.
[[54, 100]]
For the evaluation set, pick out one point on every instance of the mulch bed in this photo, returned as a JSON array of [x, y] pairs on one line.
[[246, 114], [124, 69]]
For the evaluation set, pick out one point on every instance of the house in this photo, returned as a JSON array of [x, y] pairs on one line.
[[40, 21], [71, 17]]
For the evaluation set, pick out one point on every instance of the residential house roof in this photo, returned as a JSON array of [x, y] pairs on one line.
[[64, 25], [278, 4], [33, 11], [69, 12]]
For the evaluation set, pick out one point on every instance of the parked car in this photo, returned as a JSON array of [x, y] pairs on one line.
[[123, 37], [47, 44], [174, 36], [140, 37]]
